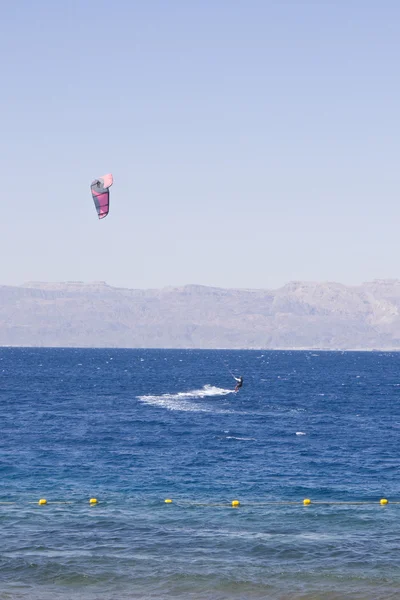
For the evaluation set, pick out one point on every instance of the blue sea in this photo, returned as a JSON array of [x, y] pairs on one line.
[[133, 428]]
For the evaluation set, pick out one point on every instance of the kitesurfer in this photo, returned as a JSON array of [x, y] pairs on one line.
[[239, 383]]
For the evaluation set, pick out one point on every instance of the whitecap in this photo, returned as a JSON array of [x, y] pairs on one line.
[[244, 439]]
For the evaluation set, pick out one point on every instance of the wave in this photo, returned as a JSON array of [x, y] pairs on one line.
[[244, 439], [181, 400]]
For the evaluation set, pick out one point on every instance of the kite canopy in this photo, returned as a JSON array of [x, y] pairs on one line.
[[101, 194]]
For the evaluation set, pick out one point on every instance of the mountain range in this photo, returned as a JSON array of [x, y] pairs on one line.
[[298, 315]]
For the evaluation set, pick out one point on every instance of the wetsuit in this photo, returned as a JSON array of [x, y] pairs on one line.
[[239, 383]]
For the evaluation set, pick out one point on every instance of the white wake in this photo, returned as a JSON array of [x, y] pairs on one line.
[[184, 400]]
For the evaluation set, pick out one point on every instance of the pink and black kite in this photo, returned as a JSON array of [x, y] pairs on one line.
[[101, 194]]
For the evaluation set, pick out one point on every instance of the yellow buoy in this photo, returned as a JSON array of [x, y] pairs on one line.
[[93, 501], [384, 501], [168, 501], [235, 503], [42, 501], [306, 501]]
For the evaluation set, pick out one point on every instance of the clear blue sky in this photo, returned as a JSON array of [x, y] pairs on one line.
[[252, 142]]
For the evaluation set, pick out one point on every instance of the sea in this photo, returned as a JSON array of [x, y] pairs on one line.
[[133, 428]]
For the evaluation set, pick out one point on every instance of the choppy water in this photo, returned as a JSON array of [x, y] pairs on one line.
[[134, 427]]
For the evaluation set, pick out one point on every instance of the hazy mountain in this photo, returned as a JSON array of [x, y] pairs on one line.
[[298, 315]]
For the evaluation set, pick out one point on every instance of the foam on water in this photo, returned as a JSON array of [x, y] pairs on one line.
[[244, 439], [184, 401]]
